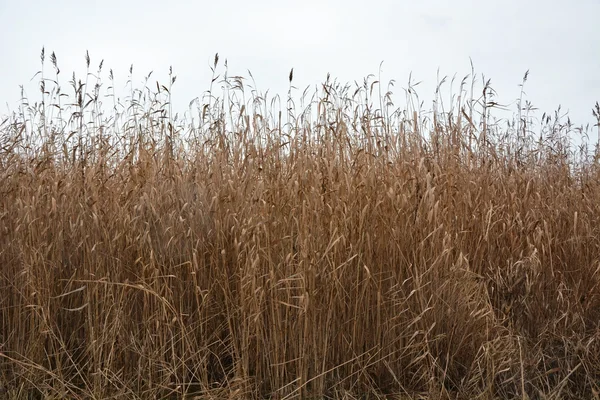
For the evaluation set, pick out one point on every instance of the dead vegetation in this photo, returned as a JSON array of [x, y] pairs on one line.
[[338, 248]]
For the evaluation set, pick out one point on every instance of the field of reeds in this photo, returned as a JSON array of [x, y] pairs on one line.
[[331, 246]]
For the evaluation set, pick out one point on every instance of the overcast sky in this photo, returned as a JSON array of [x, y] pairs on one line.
[[558, 42]]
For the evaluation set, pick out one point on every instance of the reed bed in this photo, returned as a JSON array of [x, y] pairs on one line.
[[331, 246]]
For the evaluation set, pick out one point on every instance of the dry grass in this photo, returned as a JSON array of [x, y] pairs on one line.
[[338, 249]]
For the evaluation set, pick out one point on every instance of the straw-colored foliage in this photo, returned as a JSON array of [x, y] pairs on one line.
[[324, 247]]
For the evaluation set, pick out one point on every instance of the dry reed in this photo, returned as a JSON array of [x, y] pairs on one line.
[[345, 250]]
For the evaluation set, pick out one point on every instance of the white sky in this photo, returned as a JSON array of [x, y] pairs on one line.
[[558, 41]]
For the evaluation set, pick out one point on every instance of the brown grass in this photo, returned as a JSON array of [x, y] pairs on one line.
[[339, 249]]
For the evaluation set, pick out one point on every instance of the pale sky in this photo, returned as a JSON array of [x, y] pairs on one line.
[[558, 42]]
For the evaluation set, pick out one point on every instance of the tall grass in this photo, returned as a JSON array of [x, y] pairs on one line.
[[338, 248]]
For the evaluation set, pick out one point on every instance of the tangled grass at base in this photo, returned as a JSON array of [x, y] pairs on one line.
[[338, 248]]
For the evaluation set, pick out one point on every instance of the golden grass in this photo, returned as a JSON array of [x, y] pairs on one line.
[[347, 250]]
